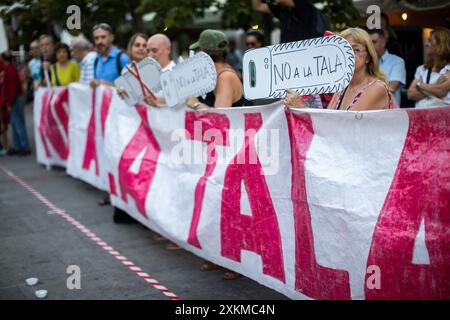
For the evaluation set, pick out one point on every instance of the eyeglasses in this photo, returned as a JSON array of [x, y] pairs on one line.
[[250, 44], [359, 51], [103, 26]]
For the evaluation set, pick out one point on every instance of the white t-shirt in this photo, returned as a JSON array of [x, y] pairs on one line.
[[169, 67], [444, 70], [422, 72]]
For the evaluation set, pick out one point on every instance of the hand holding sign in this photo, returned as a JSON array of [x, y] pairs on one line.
[[314, 66], [195, 76], [139, 81]]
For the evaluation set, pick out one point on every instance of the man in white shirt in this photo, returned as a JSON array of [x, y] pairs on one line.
[[393, 66], [160, 48], [81, 50]]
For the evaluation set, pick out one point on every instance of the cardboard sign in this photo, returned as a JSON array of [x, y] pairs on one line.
[[314, 66], [149, 70], [195, 76]]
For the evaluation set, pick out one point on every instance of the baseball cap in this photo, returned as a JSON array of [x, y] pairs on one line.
[[211, 40]]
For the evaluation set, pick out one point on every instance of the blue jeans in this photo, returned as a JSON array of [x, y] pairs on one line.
[[19, 130]]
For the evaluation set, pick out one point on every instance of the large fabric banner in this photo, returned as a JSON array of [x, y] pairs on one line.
[[316, 204]]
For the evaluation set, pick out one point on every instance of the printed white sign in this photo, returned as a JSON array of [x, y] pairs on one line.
[[195, 76], [314, 66], [149, 71]]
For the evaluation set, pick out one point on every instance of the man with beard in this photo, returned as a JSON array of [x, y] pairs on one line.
[[107, 67], [110, 60]]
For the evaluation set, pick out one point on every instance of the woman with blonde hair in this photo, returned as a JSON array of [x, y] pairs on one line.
[[431, 82], [368, 88]]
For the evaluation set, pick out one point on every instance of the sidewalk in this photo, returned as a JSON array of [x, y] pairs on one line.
[[34, 243]]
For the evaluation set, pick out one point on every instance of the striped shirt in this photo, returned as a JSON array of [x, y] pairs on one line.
[[87, 68]]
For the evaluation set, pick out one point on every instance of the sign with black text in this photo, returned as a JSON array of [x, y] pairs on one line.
[[313, 66], [195, 76]]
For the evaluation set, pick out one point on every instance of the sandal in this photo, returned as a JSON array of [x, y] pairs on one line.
[[104, 202], [158, 237], [231, 275], [172, 246], [208, 266]]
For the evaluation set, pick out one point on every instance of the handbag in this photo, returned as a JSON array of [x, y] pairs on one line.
[[432, 102]]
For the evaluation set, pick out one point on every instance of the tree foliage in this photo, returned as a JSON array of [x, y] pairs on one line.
[[126, 17]]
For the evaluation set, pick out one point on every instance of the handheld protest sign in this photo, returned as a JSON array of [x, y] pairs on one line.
[[140, 80], [313, 66], [195, 76]]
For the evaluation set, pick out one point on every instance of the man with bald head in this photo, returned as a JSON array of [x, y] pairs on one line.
[[159, 48]]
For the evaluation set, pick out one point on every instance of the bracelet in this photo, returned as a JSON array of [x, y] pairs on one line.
[[196, 105]]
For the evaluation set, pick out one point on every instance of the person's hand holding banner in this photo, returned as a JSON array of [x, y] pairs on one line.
[[293, 99]]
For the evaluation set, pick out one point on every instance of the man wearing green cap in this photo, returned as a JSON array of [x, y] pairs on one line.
[[228, 91]]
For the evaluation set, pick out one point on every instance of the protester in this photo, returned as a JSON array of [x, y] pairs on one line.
[[15, 102], [4, 114], [228, 93], [368, 88], [137, 47], [392, 65], [159, 48], [229, 90], [35, 64], [48, 57], [137, 50], [110, 60], [107, 67], [430, 85], [254, 39], [299, 19], [82, 52], [64, 71]]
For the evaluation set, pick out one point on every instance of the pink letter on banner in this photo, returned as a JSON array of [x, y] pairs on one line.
[[207, 121], [420, 191], [104, 108], [311, 279], [90, 153], [138, 185], [48, 127], [260, 232]]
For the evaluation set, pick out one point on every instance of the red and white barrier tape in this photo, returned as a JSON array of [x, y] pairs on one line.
[[149, 279]]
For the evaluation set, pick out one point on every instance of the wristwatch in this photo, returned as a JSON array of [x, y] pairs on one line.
[[196, 105], [418, 84]]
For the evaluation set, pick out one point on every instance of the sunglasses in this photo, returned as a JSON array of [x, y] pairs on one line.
[[250, 44], [103, 26]]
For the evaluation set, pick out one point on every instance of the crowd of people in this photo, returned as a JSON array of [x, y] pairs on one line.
[[376, 84]]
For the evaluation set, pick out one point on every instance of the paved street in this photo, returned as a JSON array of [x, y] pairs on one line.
[[34, 243]]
